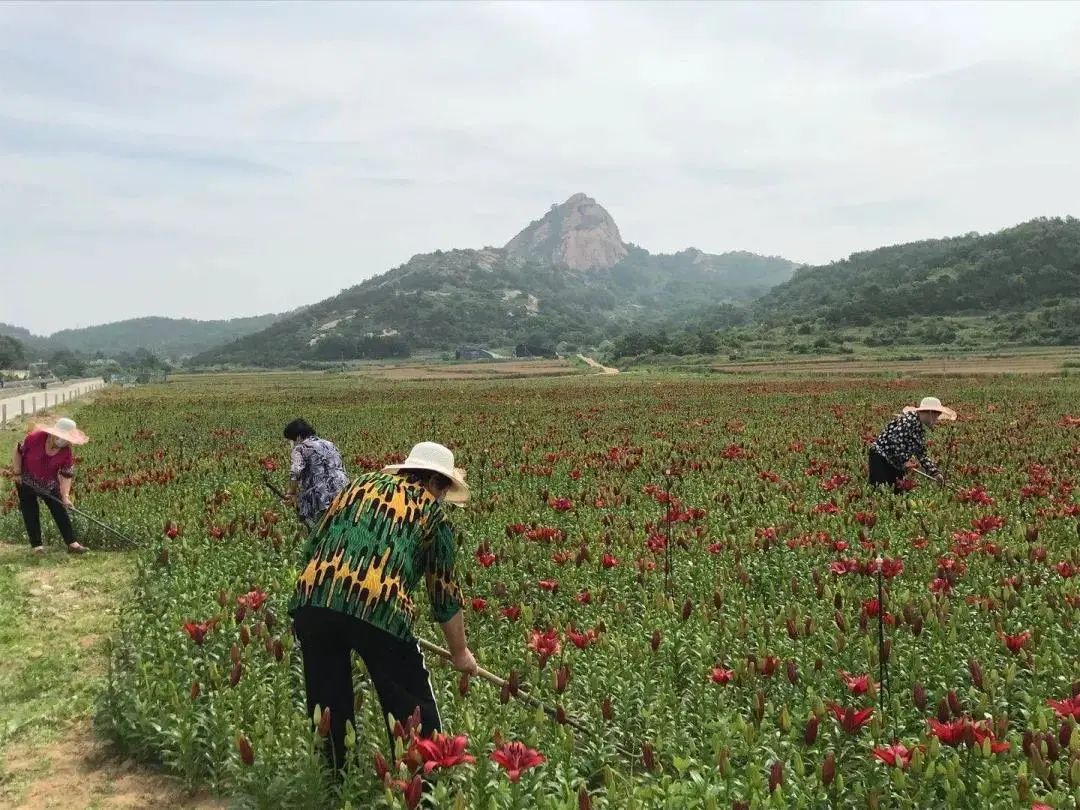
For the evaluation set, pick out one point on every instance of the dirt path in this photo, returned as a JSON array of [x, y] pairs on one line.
[[79, 771], [55, 613], [593, 364]]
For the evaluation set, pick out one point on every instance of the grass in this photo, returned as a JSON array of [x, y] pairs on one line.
[[56, 612]]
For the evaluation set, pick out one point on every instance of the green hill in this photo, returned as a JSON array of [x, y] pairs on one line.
[[1019, 269], [172, 338], [567, 278]]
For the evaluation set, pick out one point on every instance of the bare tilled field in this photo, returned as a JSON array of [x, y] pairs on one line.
[[1048, 363], [471, 371]]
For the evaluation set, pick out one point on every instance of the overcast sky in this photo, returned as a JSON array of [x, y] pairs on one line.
[[212, 160]]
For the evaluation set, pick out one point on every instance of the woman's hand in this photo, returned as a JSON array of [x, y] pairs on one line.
[[463, 661]]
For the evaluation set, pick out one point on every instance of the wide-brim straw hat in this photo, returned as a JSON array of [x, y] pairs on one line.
[[932, 404], [437, 458], [65, 429]]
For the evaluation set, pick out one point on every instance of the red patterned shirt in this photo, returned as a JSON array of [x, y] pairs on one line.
[[39, 468]]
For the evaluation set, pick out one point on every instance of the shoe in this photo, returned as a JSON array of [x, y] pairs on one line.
[[37, 551], [77, 548]]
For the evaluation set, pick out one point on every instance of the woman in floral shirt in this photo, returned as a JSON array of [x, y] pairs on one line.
[[384, 537], [316, 472], [904, 437]]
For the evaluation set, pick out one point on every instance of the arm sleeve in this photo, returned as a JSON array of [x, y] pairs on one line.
[[924, 459], [442, 587], [297, 464]]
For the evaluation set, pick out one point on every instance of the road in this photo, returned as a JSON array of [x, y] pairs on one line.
[[593, 364], [34, 400]]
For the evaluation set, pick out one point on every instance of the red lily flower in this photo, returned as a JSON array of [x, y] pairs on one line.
[[197, 630], [722, 676], [584, 597], [851, 720], [479, 604], [485, 558], [1066, 708], [516, 757], [550, 585], [1015, 643], [545, 643], [952, 733], [561, 504], [252, 600], [894, 755], [858, 684], [443, 751], [513, 612], [609, 560], [581, 640], [1066, 569]]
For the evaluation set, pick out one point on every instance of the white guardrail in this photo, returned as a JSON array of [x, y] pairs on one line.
[[22, 404]]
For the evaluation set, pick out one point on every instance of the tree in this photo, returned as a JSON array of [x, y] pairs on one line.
[[65, 364], [11, 352]]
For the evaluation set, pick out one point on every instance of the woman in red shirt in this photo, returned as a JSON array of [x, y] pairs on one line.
[[44, 467]]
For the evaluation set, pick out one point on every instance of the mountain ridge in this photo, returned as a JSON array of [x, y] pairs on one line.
[[567, 277]]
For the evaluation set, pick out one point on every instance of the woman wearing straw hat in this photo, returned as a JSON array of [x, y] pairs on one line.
[[904, 437], [382, 536], [44, 468]]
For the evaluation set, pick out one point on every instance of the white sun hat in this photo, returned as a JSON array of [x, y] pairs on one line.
[[437, 458], [932, 404], [65, 428]]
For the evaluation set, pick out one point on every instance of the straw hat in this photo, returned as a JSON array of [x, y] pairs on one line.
[[65, 429], [932, 404], [437, 458]]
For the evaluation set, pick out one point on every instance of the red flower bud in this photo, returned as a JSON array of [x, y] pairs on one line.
[[243, 745], [607, 710], [195, 690], [654, 642], [560, 715], [792, 672], [975, 669], [279, 649], [584, 801], [648, 757], [687, 609], [324, 723], [918, 694], [943, 713], [828, 769], [234, 654], [234, 675], [776, 775], [504, 694], [245, 635], [954, 704], [382, 769], [810, 732]]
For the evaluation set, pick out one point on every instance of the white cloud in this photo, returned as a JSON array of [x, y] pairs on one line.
[[212, 160]]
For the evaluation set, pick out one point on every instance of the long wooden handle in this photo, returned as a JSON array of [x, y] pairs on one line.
[[442, 652], [521, 692]]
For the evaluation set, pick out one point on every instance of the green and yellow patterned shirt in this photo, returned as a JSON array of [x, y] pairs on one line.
[[379, 538]]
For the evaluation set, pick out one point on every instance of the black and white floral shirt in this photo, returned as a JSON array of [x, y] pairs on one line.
[[317, 468], [903, 438]]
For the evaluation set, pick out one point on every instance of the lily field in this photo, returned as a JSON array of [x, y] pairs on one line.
[[691, 573]]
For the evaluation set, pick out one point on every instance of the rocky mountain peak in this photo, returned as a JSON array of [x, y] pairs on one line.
[[579, 234]]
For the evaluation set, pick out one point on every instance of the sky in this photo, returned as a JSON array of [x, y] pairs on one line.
[[214, 160]]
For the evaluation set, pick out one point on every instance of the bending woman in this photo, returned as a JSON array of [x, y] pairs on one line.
[[44, 468]]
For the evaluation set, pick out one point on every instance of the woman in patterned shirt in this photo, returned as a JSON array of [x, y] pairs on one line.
[[383, 535], [904, 437], [316, 472]]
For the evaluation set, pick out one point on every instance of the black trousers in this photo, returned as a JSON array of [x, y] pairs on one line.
[[31, 513], [327, 639], [883, 473]]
